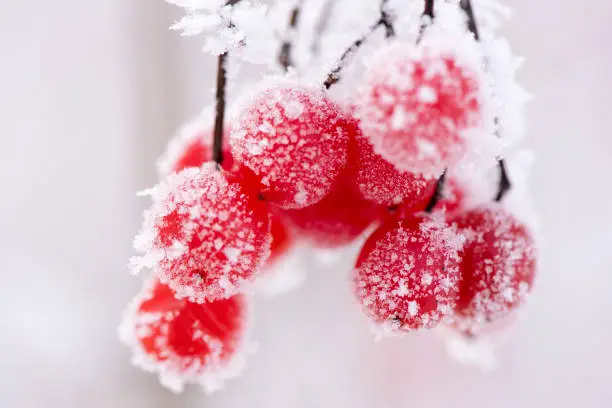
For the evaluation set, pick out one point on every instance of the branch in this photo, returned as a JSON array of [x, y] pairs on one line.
[[220, 108], [285, 59], [384, 20], [504, 184]]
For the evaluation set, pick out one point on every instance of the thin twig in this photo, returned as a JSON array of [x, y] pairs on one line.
[[285, 57], [384, 20], [217, 151], [220, 108], [504, 183]]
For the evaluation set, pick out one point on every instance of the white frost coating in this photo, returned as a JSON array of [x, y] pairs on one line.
[[175, 371]]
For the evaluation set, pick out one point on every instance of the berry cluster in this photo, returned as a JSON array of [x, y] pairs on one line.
[[296, 165]]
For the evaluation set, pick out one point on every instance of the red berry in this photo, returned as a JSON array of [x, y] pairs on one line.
[[407, 274], [382, 183], [498, 267], [415, 105], [295, 140], [204, 234], [192, 147], [184, 341], [337, 219]]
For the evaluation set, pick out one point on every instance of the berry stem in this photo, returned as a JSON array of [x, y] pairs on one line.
[[285, 57], [220, 101], [220, 108], [437, 195], [428, 17], [504, 184], [384, 20]]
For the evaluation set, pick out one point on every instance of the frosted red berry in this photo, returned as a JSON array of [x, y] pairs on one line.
[[498, 267], [295, 140], [407, 274], [415, 105], [204, 234], [382, 183], [183, 341]]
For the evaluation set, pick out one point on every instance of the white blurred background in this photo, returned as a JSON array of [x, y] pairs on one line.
[[89, 93]]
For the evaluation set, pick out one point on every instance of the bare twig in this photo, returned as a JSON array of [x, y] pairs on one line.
[[383, 21], [217, 150], [220, 108], [504, 183]]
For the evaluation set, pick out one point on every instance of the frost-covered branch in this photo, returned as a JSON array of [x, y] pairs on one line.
[[504, 184], [285, 57], [383, 21]]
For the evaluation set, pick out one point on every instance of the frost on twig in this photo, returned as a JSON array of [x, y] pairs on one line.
[[241, 26]]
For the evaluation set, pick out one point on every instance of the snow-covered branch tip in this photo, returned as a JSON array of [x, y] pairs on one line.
[[285, 57], [383, 21], [504, 184]]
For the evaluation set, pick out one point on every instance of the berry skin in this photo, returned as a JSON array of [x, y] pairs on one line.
[[204, 234], [295, 140], [498, 267], [415, 105], [407, 274], [382, 183], [182, 341]]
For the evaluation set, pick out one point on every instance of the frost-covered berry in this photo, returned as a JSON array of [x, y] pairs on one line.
[[382, 183], [415, 104], [204, 234], [407, 274], [192, 147], [185, 342], [498, 267], [295, 140]]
